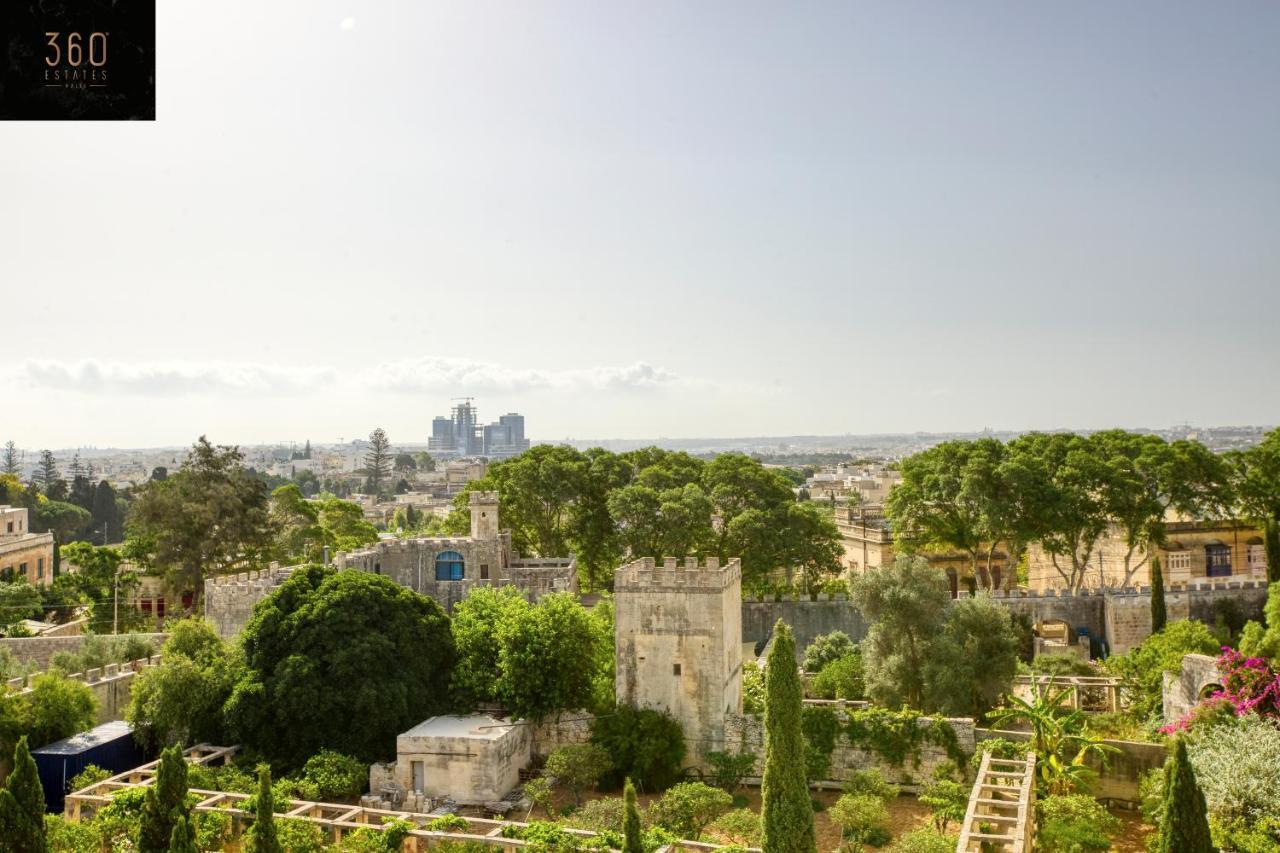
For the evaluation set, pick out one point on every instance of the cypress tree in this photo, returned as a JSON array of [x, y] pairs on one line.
[[165, 804], [262, 838], [1159, 616], [632, 842], [22, 805], [787, 811], [1185, 825], [1271, 534], [183, 839]]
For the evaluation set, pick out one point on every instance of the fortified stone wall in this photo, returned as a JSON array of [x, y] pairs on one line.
[[40, 650], [111, 686], [1121, 618], [229, 599], [745, 732]]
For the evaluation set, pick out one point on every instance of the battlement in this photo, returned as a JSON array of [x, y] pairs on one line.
[[646, 573], [478, 498]]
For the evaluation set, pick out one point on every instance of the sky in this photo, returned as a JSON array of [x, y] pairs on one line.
[[658, 219]]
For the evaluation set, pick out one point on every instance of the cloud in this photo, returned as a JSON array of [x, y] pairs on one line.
[[348, 23], [173, 380], [457, 374], [409, 376]]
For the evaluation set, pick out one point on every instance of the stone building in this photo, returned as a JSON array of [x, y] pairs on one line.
[[24, 555], [470, 760], [867, 539], [447, 569], [678, 641], [1203, 550]]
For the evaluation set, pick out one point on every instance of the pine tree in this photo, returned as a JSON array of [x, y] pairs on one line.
[[106, 515], [262, 837], [22, 805], [165, 804], [183, 839], [1185, 825], [306, 450], [47, 472], [11, 461], [632, 842], [1159, 616], [377, 463], [787, 810]]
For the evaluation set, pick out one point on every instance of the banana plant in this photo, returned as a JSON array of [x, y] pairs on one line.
[[1060, 739]]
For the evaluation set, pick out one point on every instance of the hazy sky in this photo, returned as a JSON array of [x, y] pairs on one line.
[[655, 219]]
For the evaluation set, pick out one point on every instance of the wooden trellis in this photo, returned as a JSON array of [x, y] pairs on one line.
[[1001, 813]]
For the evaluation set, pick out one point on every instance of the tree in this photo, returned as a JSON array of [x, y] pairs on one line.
[[377, 464], [643, 744], [1256, 478], [1141, 670], [405, 462], [47, 471], [547, 658], [906, 605], [183, 839], [106, 513], [787, 810], [1184, 826], [1159, 615], [689, 807], [11, 460], [1060, 739], [165, 804], [1074, 823], [262, 835], [181, 702], [208, 517], [578, 766], [22, 805], [477, 624], [326, 648], [55, 707], [18, 600], [973, 660], [97, 577], [860, 818], [947, 799], [826, 648], [65, 520], [631, 833]]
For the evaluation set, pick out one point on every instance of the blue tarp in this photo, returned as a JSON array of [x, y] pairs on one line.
[[110, 746]]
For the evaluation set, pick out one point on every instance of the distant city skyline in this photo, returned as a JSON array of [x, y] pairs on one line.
[[659, 219]]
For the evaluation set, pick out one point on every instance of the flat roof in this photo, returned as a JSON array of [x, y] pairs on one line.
[[481, 726], [78, 743]]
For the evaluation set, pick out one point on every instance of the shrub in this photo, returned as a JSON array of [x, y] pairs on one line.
[[870, 783], [1237, 766], [64, 836], [448, 823], [332, 775], [1073, 823], [826, 648], [213, 829], [296, 836], [752, 688], [643, 744], [90, 775], [839, 679], [728, 769], [602, 815], [56, 707], [739, 826], [578, 766], [861, 819], [687, 808], [924, 841], [947, 800], [1142, 669]]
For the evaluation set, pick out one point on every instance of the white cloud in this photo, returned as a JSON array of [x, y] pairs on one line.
[[172, 380], [348, 23], [457, 374]]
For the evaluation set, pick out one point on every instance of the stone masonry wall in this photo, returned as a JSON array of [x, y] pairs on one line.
[[1182, 690], [40, 650], [229, 599], [745, 732], [111, 686]]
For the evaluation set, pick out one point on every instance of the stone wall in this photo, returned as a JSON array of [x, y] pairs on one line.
[[229, 599], [567, 727], [40, 650], [745, 732], [1118, 777], [111, 685], [1183, 690], [1122, 618]]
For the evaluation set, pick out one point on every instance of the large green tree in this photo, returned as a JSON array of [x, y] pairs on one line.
[[786, 808], [1256, 474], [906, 605], [377, 464], [974, 658], [327, 648], [208, 517]]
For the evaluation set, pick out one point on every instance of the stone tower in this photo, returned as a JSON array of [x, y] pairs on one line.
[[484, 515], [678, 640]]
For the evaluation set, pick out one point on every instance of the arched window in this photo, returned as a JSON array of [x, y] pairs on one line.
[[449, 566]]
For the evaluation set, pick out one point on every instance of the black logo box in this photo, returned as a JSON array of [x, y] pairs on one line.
[[129, 43]]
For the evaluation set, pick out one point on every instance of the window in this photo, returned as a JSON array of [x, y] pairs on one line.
[[484, 571], [449, 566], [22, 569], [1257, 558], [1217, 561], [675, 669], [1180, 560], [40, 567], [159, 607], [11, 527]]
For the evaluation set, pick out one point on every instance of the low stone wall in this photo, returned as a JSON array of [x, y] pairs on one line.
[[40, 650], [745, 733], [112, 686], [1182, 690], [568, 727], [1118, 774], [807, 619]]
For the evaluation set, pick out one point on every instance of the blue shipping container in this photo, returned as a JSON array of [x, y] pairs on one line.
[[110, 746]]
